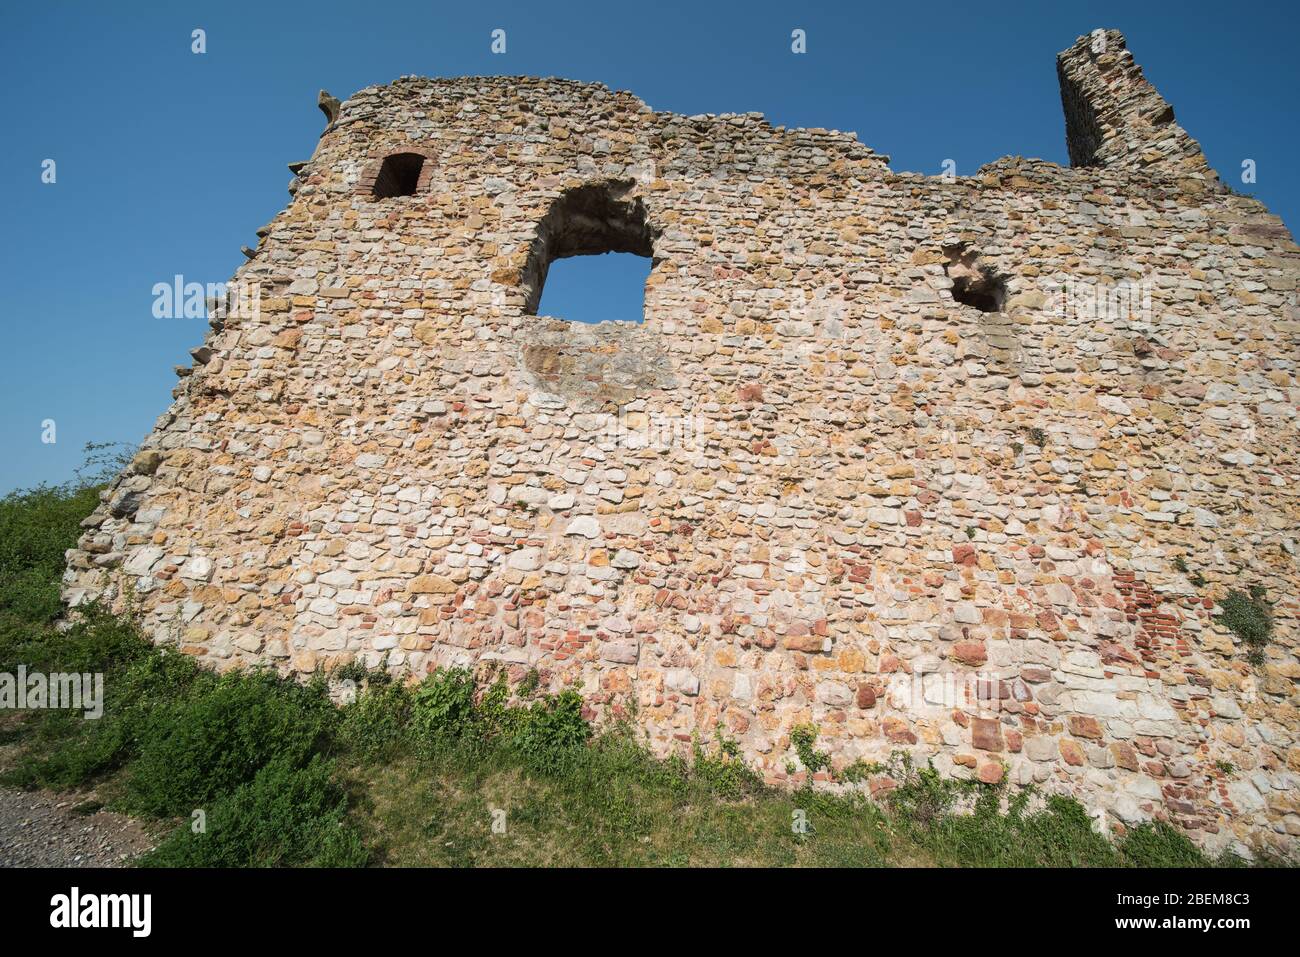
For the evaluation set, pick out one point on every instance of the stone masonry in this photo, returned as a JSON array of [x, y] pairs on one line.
[[959, 466]]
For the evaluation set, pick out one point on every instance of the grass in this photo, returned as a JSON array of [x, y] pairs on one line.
[[254, 770]]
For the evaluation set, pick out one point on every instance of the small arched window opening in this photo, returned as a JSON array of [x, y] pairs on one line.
[[399, 175], [580, 227]]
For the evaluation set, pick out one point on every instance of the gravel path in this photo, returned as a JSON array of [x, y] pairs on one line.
[[42, 829]]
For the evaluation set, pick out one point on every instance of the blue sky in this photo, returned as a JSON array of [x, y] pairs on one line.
[[167, 161]]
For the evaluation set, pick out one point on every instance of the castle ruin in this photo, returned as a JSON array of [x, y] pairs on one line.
[[955, 465]]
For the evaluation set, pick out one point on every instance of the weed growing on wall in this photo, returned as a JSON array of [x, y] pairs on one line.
[[1249, 616]]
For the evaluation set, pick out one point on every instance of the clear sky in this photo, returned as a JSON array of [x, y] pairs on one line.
[[168, 161]]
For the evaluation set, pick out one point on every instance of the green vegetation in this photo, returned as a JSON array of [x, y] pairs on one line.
[[285, 815], [803, 737], [249, 769], [35, 529], [1250, 617]]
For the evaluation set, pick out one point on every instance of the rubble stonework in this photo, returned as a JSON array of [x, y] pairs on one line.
[[813, 487]]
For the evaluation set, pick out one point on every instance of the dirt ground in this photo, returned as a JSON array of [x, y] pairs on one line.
[[45, 829]]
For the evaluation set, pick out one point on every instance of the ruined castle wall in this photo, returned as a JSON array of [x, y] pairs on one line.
[[812, 487]]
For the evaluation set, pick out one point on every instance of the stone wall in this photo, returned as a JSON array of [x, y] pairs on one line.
[[957, 466]]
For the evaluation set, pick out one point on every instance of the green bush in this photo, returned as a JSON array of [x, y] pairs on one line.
[[139, 679], [724, 772], [803, 737], [442, 706], [921, 795], [549, 731], [442, 713], [36, 527], [285, 816], [96, 642], [377, 721], [221, 734]]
